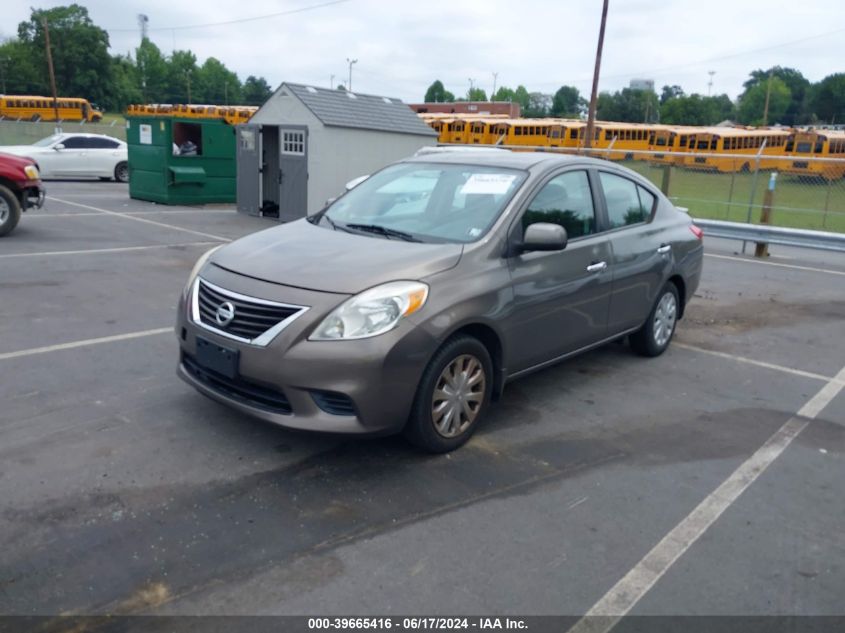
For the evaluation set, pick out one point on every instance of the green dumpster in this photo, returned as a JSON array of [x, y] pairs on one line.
[[174, 160]]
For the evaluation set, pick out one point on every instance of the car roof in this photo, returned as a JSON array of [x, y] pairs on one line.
[[506, 159], [113, 138]]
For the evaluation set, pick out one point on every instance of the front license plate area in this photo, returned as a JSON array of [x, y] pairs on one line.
[[217, 358]]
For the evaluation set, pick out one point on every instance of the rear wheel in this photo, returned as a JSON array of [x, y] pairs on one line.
[[654, 337], [121, 172], [10, 210], [452, 397]]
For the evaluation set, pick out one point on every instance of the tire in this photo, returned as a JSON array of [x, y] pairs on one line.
[[444, 433], [10, 210], [121, 172], [652, 338]]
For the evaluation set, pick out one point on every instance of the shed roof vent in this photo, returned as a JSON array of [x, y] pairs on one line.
[[311, 89], [386, 100], [351, 95]]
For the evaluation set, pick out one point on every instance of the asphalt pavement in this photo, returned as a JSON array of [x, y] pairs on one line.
[[706, 481]]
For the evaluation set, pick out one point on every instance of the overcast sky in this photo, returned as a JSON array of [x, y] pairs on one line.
[[403, 45]]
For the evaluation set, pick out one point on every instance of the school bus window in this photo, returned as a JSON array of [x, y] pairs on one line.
[[819, 147]]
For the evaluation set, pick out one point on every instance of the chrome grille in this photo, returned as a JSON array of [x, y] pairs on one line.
[[252, 320]]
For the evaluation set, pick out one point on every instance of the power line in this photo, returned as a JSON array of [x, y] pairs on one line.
[[238, 21], [705, 61]]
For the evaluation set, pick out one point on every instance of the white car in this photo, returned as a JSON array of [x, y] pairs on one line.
[[76, 156]]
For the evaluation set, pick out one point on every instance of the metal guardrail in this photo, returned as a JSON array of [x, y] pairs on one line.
[[764, 234]]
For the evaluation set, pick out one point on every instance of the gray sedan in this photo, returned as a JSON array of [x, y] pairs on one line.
[[411, 301]]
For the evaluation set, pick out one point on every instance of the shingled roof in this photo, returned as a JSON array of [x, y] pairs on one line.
[[340, 108]]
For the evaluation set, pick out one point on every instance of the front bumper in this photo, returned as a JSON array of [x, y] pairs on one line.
[[33, 196], [288, 381]]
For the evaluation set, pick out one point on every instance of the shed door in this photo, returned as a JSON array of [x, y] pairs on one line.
[[249, 169], [293, 173]]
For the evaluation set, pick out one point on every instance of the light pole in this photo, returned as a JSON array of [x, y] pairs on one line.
[[710, 83], [471, 85], [349, 83], [493, 94], [331, 82]]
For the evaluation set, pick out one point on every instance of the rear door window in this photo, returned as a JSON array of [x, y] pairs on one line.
[[627, 202]]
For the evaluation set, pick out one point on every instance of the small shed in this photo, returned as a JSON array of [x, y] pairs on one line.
[[305, 143]]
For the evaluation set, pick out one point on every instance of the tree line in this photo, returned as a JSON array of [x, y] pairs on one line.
[[85, 68], [792, 100]]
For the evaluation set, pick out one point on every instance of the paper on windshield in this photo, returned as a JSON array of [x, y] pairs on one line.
[[488, 183]]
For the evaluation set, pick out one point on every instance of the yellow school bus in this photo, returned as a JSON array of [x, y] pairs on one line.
[[739, 146], [805, 144], [667, 138], [622, 138], [231, 114], [36, 108]]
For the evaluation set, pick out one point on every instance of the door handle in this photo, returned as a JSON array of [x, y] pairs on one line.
[[664, 248], [597, 267]]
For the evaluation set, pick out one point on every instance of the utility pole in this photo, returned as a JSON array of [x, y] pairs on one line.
[[52, 73], [493, 94], [349, 83], [471, 86], [188, 79], [331, 82], [591, 114], [710, 83], [768, 94]]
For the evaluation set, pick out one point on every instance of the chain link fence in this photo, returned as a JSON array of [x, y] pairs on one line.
[[14, 132], [809, 191]]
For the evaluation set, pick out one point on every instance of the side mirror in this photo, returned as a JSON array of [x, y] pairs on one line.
[[544, 236], [58, 146]]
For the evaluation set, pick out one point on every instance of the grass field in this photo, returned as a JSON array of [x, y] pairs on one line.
[[798, 202]]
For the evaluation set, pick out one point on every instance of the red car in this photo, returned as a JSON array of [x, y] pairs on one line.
[[20, 189]]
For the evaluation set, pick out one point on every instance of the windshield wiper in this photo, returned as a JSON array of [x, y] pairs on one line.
[[383, 230]]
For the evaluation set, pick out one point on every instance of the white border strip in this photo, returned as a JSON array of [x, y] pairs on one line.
[[625, 594]]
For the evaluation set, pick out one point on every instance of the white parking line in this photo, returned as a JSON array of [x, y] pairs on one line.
[[794, 266], [86, 214], [96, 251], [626, 593], [91, 341], [139, 219], [751, 361]]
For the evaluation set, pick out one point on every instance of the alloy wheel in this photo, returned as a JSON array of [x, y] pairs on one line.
[[664, 319]]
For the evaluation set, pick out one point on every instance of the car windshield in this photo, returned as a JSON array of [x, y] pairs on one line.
[[425, 202], [44, 142]]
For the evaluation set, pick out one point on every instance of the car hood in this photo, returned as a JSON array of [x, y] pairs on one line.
[[13, 159], [307, 256], [19, 150]]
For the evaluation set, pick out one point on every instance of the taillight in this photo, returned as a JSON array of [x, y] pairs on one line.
[[699, 234]]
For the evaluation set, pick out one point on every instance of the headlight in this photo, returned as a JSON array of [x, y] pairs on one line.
[[373, 312], [198, 267], [31, 172]]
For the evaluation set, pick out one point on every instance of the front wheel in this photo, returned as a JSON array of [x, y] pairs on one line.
[[452, 397], [121, 172], [10, 210], [654, 337]]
